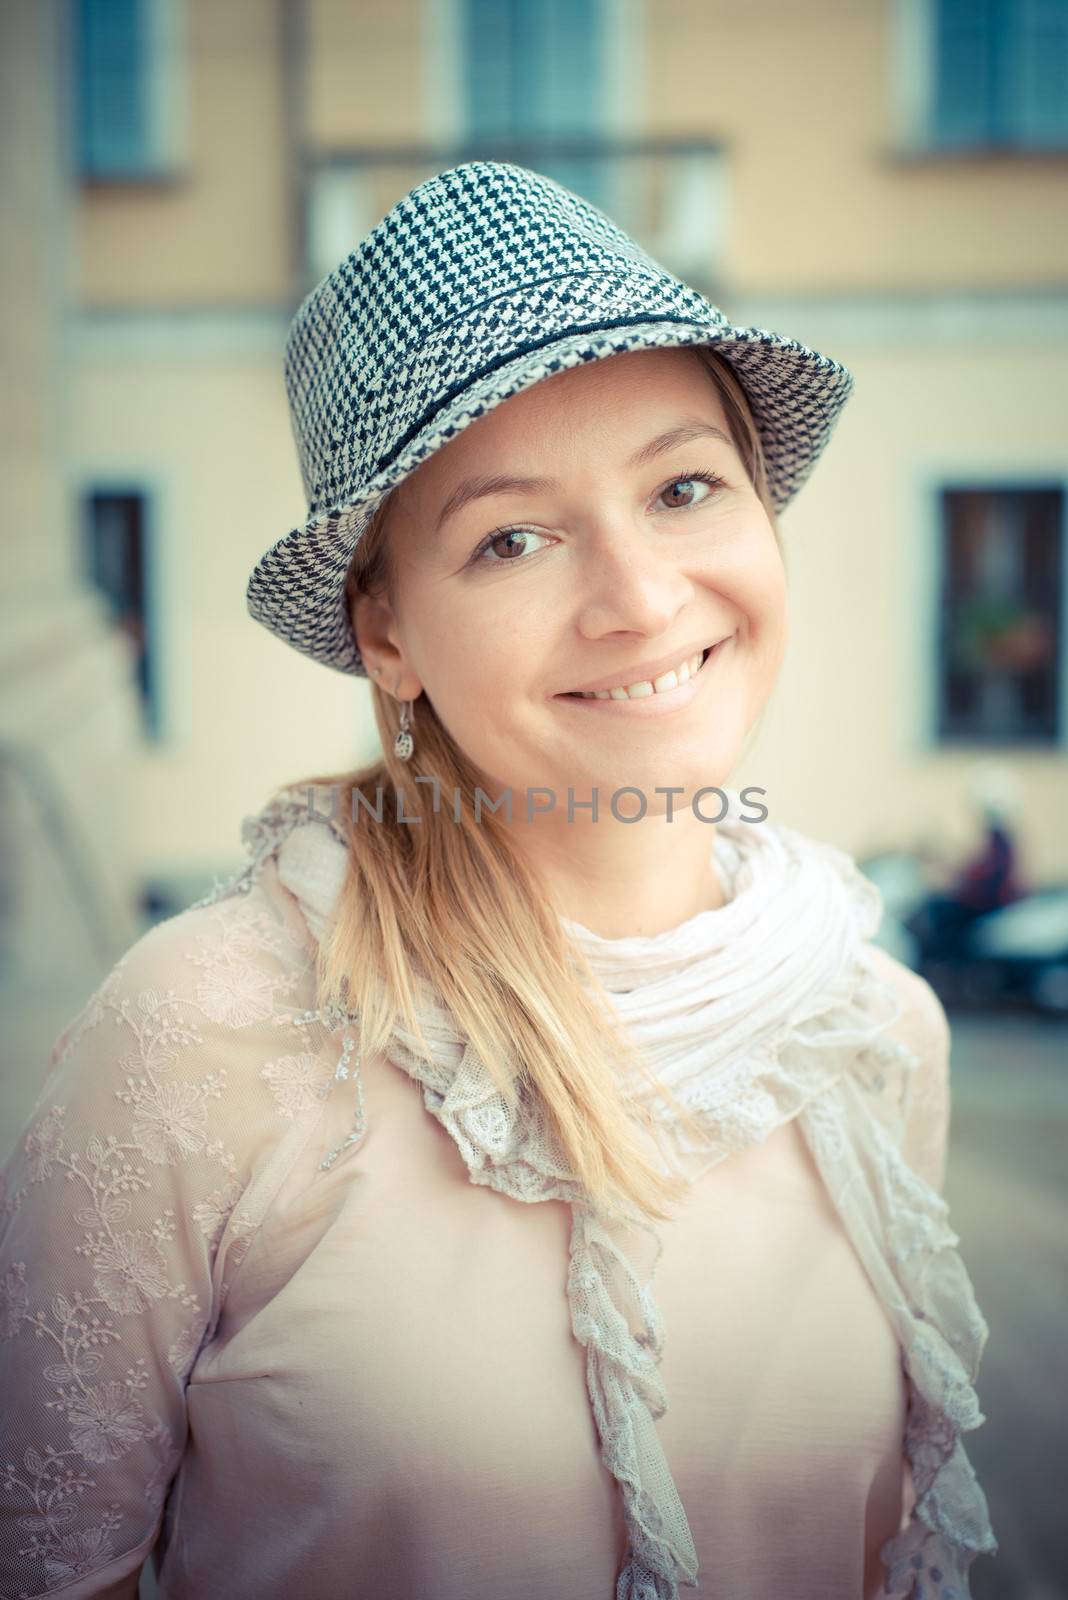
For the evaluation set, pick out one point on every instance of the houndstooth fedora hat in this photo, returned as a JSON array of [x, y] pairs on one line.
[[477, 284]]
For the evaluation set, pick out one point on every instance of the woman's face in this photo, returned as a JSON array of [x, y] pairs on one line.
[[567, 540]]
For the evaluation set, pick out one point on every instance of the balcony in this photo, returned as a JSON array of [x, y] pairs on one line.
[[668, 194]]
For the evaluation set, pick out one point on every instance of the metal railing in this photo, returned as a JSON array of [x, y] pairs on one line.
[[669, 194]]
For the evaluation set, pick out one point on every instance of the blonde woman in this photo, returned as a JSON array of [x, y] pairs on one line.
[[523, 1178]]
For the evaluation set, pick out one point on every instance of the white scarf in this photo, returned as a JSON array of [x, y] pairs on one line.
[[764, 1009]]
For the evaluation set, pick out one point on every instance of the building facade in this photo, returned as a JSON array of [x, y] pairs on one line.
[[886, 180]]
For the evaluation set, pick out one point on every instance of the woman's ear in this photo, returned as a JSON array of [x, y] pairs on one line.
[[375, 628]]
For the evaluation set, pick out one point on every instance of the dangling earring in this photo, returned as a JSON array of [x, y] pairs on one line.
[[404, 744]]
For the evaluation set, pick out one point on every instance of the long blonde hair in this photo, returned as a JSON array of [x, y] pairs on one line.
[[452, 900]]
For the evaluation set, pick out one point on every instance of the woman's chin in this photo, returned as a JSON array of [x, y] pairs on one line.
[[665, 792]]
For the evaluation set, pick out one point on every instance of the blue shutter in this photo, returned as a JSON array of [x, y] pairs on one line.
[[1033, 83], [533, 69], [1000, 73], [565, 58], [964, 50], [489, 91], [111, 75]]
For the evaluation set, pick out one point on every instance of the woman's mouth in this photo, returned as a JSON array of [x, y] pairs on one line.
[[671, 689]]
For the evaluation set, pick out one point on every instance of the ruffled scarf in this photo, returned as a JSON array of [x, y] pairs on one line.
[[764, 1009]]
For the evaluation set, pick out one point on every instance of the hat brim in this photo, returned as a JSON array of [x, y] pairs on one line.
[[297, 589]]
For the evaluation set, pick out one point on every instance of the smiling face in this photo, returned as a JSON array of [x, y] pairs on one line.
[[590, 532]]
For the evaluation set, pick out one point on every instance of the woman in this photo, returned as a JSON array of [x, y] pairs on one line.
[[272, 1312]]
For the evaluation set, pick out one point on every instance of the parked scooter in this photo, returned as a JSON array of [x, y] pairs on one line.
[[986, 938]]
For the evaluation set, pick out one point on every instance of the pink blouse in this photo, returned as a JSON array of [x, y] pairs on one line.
[[280, 1379]]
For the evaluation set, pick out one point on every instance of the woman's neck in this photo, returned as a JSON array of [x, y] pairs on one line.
[[635, 883]]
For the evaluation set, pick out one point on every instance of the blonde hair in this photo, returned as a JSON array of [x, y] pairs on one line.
[[452, 900]]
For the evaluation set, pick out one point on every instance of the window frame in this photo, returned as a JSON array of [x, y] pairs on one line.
[[913, 72], [164, 154], [923, 579], [161, 593]]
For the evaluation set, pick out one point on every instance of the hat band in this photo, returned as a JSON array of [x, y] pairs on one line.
[[409, 387], [513, 354]]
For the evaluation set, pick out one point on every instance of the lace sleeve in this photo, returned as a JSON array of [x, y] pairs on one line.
[[120, 1225], [925, 1029]]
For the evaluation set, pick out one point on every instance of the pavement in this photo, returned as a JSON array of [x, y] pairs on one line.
[[1007, 1191]]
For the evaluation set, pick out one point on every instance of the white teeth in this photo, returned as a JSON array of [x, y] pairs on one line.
[[640, 691]]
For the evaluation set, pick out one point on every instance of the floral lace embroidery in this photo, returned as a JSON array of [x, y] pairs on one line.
[[241, 960], [152, 1046]]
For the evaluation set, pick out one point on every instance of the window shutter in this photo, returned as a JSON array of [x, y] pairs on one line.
[[112, 83]]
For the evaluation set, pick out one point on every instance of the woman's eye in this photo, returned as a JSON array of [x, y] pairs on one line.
[[511, 545], [690, 478], [510, 540]]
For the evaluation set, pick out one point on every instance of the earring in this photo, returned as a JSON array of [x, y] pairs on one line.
[[404, 744]]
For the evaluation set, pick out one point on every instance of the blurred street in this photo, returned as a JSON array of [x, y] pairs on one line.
[[1007, 1189]]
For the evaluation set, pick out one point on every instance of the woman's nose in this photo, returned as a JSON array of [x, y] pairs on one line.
[[629, 582]]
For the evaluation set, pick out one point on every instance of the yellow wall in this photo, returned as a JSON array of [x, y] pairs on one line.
[[365, 72], [843, 750], [219, 232], [824, 216], [804, 96], [822, 194], [245, 711]]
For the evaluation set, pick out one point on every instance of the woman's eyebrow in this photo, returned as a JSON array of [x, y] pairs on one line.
[[478, 488], [682, 433]]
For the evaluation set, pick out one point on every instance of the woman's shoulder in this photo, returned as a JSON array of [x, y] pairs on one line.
[[226, 962], [196, 1068], [215, 1003], [241, 948], [200, 1047], [922, 1022], [920, 1033]]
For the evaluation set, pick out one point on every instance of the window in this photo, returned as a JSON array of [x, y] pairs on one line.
[[118, 563], [1000, 74], [556, 85], [128, 88], [1001, 622], [535, 69]]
